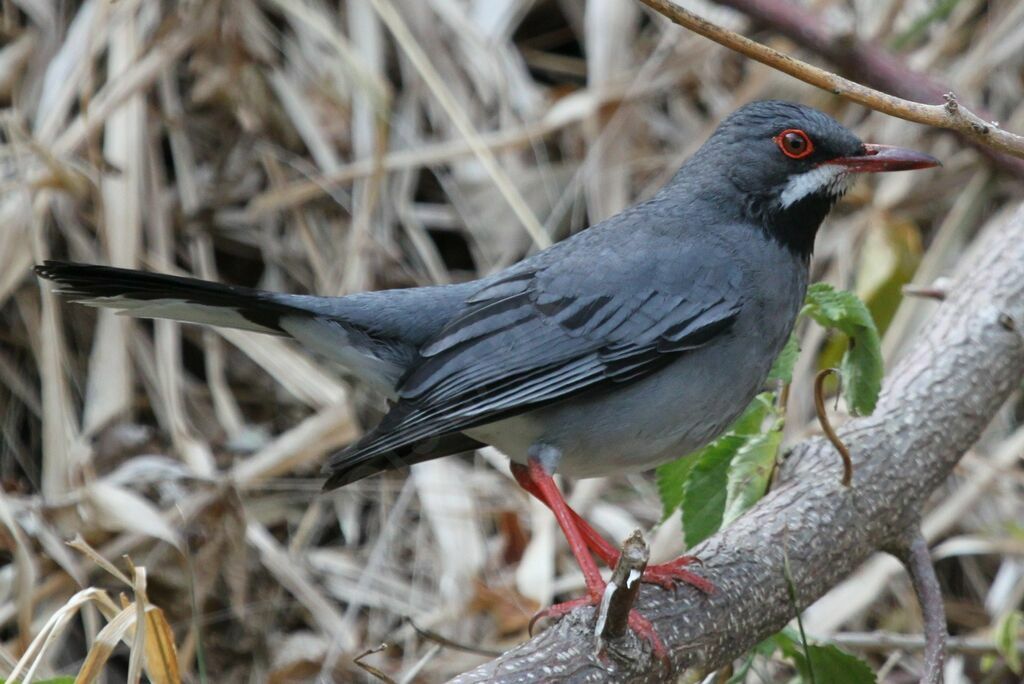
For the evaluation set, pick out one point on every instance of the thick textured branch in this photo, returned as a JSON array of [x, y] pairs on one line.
[[872, 61], [934, 405]]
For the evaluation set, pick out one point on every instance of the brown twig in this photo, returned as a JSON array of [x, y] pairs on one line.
[[869, 63], [442, 640], [826, 426], [951, 115], [926, 292], [370, 669]]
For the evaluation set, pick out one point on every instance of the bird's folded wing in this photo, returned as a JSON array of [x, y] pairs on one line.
[[529, 339]]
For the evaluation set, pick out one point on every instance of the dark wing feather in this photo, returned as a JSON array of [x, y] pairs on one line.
[[528, 340]]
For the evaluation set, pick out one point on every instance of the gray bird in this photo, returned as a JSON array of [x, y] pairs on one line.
[[625, 346]]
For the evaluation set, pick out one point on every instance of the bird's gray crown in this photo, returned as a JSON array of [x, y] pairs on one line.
[[745, 174]]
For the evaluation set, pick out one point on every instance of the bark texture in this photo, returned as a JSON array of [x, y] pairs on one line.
[[934, 405]]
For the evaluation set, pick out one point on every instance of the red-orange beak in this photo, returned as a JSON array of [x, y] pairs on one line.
[[878, 158]]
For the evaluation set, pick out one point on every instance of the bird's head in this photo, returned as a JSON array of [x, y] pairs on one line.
[[784, 165]]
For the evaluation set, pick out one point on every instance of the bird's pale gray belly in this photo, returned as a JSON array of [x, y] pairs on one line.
[[643, 424]]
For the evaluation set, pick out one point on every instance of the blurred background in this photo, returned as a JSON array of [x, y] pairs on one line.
[[330, 147]]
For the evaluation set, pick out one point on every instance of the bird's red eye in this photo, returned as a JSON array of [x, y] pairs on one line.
[[794, 143]]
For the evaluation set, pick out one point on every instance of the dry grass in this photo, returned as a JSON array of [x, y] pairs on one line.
[[330, 147]]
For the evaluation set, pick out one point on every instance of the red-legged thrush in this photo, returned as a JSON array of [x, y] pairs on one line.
[[625, 346]]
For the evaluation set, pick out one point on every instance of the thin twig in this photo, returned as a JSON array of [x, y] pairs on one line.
[[952, 115], [370, 669], [925, 292], [868, 62], [441, 640], [886, 642], [826, 426]]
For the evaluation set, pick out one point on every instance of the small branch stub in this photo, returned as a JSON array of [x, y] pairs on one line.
[[622, 589], [938, 290]]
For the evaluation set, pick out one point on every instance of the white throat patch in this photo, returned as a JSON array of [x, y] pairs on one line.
[[830, 178]]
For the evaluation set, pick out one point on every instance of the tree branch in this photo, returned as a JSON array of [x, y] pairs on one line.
[[918, 561], [869, 60], [934, 405]]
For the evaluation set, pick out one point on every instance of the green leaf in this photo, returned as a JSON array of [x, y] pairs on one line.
[[704, 491], [862, 376], [671, 477], [831, 665], [787, 640], [1006, 639], [751, 421], [750, 471], [782, 369], [862, 363]]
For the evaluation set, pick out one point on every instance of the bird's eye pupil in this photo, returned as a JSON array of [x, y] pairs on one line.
[[794, 143]]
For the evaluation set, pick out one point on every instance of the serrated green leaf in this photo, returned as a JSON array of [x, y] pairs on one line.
[[782, 369], [862, 363], [671, 477], [833, 666], [1006, 634], [838, 309], [704, 491], [750, 472], [862, 375]]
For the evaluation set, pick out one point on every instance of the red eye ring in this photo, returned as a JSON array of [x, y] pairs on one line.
[[794, 143]]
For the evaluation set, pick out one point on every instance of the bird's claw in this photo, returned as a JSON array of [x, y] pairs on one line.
[[560, 610], [666, 575], [640, 625]]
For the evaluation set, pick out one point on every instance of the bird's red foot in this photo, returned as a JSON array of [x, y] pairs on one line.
[[560, 610], [665, 575], [640, 625]]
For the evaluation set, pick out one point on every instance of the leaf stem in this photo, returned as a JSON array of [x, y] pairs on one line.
[[826, 426]]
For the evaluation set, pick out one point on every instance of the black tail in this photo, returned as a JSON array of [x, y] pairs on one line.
[[149, 295]]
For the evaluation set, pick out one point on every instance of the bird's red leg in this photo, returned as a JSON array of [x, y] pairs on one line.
[[539, 482], [608, 554], [663, 574], [534, 479]]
